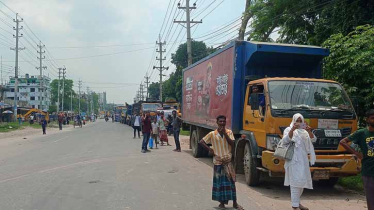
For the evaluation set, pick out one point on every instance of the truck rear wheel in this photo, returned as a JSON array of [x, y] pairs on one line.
[[197, 150], [252, 175]]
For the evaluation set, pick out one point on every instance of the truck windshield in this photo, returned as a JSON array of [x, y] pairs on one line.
[[308, 95], [151, 107]]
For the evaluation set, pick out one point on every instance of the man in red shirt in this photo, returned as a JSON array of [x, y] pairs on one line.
[[60, 120], [147, 128]]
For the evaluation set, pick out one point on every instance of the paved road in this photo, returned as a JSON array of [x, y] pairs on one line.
[[100, 166]]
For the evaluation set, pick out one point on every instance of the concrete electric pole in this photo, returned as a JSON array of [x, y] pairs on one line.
[[160, 68], [58, 90], [63, 86], [88, 108], [188, 22], [79, 98], [147, 85], [142, 91], [71, 101], [17, 49], [41, 67]]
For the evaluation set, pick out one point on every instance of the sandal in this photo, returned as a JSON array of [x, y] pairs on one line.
[[239, 207], [301, 207]]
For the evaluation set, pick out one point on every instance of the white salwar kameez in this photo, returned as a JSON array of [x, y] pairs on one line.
[[297, 170]]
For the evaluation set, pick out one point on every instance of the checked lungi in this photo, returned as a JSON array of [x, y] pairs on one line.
[[223, 188]]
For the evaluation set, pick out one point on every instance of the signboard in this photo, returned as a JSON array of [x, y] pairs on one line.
[[328, 123], [208, 90]]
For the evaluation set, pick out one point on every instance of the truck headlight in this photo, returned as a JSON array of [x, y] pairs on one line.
[[272, 142]]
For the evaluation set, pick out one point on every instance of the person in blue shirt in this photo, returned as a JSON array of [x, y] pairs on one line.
[[261, 97], [44, 125]]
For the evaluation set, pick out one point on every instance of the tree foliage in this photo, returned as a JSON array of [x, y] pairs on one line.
[[307, 21], [69, 94], [351, 62]]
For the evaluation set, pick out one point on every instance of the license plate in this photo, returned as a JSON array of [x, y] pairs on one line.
[[321, 174], [333, 133]]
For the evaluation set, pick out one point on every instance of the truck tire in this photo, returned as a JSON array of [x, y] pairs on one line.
[[197, 150], [252, 175], [329, 183]]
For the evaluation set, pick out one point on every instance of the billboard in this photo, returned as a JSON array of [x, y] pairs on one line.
[[207, 90]]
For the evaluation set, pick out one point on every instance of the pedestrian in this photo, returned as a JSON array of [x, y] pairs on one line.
[[170, 122], [136, 124], [222, 140], [162, 130], [31, 119], [176, 123], [44, 126], [60, 120], [297, 171], [19, 120], [364, 138], [155, 131], [147, 128]]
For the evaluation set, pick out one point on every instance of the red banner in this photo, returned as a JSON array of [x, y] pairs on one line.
[[208, 90]]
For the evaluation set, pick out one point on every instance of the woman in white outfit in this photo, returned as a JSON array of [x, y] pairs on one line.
[[298, 174]]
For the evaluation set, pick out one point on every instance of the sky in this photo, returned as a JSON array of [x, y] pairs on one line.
[[108, 44]]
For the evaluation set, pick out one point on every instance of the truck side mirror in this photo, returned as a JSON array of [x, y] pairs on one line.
[[253, 101]]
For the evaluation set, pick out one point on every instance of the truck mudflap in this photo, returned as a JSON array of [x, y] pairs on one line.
[[339, 165]]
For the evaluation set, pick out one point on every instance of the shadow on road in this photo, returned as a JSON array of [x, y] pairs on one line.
[[274, 188]]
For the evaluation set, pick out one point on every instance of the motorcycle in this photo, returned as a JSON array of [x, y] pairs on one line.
[[106, 119]]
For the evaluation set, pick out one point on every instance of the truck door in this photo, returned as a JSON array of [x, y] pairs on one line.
[[254, 120]]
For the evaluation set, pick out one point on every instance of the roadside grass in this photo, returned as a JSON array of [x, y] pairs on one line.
[[185, 133], [11, 126], [352, 183]]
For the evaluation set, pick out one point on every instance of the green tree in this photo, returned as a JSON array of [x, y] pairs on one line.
[[307, 21], [154, 90], [180, 57], [67, 94], [351, 62]]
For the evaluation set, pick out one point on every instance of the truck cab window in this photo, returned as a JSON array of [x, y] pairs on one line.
[[259, 89]]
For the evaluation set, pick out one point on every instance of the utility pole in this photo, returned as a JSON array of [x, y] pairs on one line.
[[92, 105], [147, 83], [88, 92], [63, 86], [79, 99], [160, 68], [41, 81], [17, 49], [71, 101], [142, 91], [58, 90], [1, 70], [188, 26]]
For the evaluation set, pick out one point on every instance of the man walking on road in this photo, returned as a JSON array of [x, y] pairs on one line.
[[60, 120], [364, 138], [147, 128], [176, 123], [222, 140], [44, 125]]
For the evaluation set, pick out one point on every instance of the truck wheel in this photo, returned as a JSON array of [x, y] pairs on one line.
[[329, 183], [252, 175], [197, 150]]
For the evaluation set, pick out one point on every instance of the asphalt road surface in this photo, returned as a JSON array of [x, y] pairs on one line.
[[100, 166]]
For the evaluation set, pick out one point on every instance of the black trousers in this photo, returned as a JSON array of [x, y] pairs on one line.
[[136, 128], [44, 129]]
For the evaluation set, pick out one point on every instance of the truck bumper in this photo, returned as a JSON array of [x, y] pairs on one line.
[[338, 165]]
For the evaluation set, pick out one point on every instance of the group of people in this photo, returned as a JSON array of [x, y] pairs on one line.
[[156, 129], [297, 170]]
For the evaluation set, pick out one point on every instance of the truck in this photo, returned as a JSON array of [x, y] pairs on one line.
[[289, 80]]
